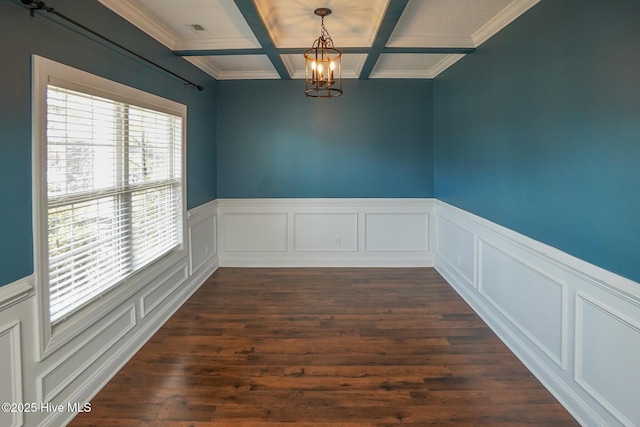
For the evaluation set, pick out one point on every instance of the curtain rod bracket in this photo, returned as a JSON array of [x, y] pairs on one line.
[[40, 5]]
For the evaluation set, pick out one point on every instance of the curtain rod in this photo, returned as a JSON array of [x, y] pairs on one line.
[[39, 5]]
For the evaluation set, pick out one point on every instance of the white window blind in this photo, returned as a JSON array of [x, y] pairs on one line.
[[114, 183]]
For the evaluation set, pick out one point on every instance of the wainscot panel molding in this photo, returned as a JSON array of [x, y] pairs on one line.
[[15, 292], [203, 242], [11, 361], [325, 232], [574, 325], [72, 374], [79, 359]]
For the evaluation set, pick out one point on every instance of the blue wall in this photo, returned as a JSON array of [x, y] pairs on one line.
[[539, 130], [375, 141], [21, 36]]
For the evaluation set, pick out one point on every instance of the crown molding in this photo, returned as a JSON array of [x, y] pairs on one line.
[[357, 69], [430, 73], [501, 20], [401, 74], [293, 71], [446, 62], [219, 74], [205, 66], [128, 11], [249, 75]]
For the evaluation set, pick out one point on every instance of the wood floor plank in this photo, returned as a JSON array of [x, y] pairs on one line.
[[324, 347]]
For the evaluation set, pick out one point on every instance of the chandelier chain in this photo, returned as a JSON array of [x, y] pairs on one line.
[[325, 37]]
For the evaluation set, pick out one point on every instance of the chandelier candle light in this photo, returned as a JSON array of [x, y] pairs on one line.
[[322, 70]]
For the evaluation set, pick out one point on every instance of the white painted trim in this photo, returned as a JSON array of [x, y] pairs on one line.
[[472, 280], [368, 247], [447, 62], [218, 74], [44, 71], [144, 330], [356, 70], [148, 307], [39, 198], [581, 300], [260, 262], [287, 254], [560, 360], [48, 395], [197, 216], [101, 376], [13, 329], [581, 282], [576, 278], [292, 70], [501, 20], [611, 282], [401, 74], [126, 10], [249, 75], [431, 73], [15, 292], [81, 366], [205, 66], [208, 208], [328, 204]]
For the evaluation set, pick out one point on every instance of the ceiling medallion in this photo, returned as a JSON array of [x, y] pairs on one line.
[[323, 77]]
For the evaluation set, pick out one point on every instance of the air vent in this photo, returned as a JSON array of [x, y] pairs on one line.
[[197, 27]]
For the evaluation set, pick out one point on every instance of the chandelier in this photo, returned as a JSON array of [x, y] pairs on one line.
[[322, 68]]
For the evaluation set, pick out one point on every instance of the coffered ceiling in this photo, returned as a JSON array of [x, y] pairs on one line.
[[265, 39]]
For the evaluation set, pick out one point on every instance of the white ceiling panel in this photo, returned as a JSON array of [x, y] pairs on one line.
[[352, 23], [171, 21], [454, 23], [412, 65], [236, 67]]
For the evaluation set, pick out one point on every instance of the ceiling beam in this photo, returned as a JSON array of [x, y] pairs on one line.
[[301, 50], [250, 14], [389, 22]]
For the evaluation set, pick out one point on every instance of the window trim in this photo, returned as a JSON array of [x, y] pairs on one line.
[[45, 71]]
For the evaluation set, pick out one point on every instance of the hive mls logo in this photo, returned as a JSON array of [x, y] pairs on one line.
[[79, 407]]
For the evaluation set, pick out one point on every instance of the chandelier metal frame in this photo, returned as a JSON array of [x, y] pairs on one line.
[[323, 77]]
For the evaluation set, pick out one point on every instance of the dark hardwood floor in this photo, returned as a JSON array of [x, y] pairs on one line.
[[324, 347]]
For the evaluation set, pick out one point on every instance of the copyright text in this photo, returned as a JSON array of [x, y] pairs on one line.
[[45, 407]]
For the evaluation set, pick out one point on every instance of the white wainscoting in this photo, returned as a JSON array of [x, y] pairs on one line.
[[325, 232], [76, 371], [11, 362], [575, 326]]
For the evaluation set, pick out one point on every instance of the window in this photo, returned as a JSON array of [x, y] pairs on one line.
[[113, 184]]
